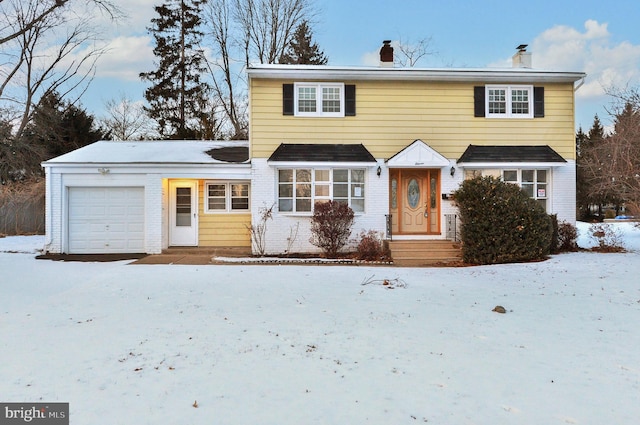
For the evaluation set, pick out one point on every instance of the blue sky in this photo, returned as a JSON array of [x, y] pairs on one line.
[[601, 38]]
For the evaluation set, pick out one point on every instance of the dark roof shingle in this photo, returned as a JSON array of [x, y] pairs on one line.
[[475, 153], [302, 152]]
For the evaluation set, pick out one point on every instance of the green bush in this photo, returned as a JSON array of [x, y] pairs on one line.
[[331, 226], [500, 223]]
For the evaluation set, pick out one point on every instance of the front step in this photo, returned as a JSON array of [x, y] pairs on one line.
[[222, 251], [415, 253]]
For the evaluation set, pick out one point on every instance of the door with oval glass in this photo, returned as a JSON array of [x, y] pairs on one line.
[[414, 203]]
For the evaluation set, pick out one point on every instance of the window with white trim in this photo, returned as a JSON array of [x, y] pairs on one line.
[[535, 182], [319, 99], [221, 197], [509, 101], [301, 188]]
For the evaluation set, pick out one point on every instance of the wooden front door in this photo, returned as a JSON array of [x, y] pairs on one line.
[[415, 201]]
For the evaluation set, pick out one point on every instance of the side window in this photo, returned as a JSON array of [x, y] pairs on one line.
[[223, 197]]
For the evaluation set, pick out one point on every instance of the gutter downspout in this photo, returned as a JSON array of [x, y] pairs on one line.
[[580, 84]]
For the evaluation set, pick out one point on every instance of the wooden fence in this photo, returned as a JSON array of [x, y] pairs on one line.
[[22, 208]]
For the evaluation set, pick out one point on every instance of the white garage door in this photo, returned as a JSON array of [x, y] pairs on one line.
[[106, 220]]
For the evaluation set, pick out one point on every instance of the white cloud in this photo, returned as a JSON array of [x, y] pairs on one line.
[[126, 58], [591, 51]]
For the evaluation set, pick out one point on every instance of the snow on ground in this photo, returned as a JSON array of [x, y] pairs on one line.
[[269, 344]]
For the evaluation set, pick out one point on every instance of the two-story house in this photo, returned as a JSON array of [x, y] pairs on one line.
[[393, 143]]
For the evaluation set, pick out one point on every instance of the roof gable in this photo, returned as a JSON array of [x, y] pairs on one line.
[[417, 154]]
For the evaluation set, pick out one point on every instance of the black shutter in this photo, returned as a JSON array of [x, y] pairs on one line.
[[478, 101], [287, 99], [350, 100], [538, 102]]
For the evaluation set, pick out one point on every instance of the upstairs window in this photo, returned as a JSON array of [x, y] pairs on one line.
[[505, 101], [509, 102], [319, 99]]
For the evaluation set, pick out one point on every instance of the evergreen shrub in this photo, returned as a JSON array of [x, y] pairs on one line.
[[500, 223]]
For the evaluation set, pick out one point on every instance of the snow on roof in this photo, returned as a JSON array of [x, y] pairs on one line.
[[278, 71], [146, 152]]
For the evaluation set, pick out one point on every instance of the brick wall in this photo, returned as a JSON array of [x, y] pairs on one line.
[[281, 231]]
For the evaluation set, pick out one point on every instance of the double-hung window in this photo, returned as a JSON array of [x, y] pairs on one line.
[[226, 197], [319, 99], [299, 189], [534, 182], [509, 101]]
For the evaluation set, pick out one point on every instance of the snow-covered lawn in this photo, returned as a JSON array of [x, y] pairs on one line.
[[269, 344]]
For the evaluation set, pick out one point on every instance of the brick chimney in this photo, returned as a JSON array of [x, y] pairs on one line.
[[386, 54], [522, 58]]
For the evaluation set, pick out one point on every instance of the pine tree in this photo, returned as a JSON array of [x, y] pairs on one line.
[[59, 127], [178, 99], [301, 50], [586, 169]]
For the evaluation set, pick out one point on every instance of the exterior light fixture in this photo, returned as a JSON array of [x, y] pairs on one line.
[[452, 171], [379, 171]]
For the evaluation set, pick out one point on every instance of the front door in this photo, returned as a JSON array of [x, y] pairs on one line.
[[183, 213], [414, 201]]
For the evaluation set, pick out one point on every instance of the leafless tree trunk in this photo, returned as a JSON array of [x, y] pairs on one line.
[[268, 26], [245, 31], [225, 79]]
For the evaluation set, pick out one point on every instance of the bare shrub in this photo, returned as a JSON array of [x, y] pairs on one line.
[[370, 246], [567, 237], [259, 231], [331, 226], [608, 238]]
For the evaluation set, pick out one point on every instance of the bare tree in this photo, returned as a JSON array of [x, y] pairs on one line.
[[33, 12], [127, 120], [54, 52], [242, 32], [225, 79], [614, 165], [267, 26], [410, 53]]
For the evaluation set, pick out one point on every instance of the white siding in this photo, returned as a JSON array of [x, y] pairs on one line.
[[563, 192]]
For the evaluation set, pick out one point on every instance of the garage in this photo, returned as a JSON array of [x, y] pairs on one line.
[[106, 220]]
